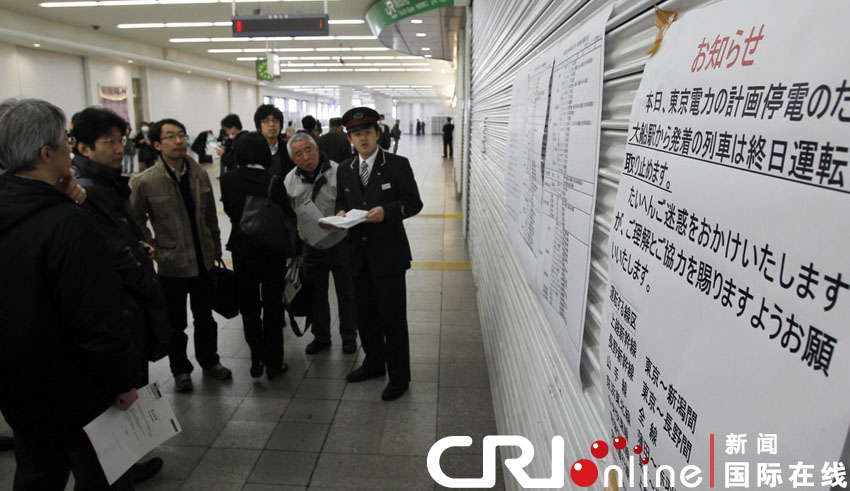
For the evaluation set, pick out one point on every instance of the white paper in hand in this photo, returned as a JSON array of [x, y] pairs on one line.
[[121, 438], [351, 218]]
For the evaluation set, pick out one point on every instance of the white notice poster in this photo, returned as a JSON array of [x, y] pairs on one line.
[[551, 168], [726, 316]]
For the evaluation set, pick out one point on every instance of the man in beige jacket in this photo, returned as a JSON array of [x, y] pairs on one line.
[[176, 195]]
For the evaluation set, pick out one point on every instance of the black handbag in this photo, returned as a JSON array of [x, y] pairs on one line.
[[297, 297], [225, 299], [264, 224]]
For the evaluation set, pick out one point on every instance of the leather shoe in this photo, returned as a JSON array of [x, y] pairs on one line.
[[317, 346], [363, 373], [7, 443], [349, 347], [257, 369], [274, 372], [183, 382], [393, 392], [143, 471], [218, 372]]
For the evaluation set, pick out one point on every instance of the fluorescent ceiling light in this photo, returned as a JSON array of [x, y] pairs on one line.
[[189, 40], [426, 49], [392, 69], [292, 50], [151, 25], [247, 58], [416, 21], [122, 3], [367, 69], [159, 25], [333, 49], [420, 34], [379, 57], [315, 69], [429, 56], [225, 50], [351, 38], [290, 70], [417, 69], [415, 64], [386, 64]]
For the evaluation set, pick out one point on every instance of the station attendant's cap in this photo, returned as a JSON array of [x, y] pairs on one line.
[[359, 118]]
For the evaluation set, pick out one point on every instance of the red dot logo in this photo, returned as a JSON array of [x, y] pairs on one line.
[[584, 473], [637, 449], [599, 449], [645, 460], [619, 443]]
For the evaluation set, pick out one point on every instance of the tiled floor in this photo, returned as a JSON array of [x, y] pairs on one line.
[[309, 429]]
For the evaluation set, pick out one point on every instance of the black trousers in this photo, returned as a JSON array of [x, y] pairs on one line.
[[260, 291], [44, 464], [318, 264], [451, 152], [199, 289], [382, 322]]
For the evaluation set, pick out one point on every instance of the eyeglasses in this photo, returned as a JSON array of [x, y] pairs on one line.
[[178, 136], [112, 141], [270, 121]]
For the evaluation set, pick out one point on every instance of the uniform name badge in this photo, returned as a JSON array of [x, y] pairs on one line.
[[385, 186]]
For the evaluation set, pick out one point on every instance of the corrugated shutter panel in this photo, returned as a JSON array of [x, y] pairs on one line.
[[534, 392]]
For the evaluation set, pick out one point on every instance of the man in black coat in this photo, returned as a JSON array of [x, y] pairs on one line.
[[98, 149], [334, 143], [269, 121], [448, 138], [65, 349], [382, 184], [232, 126]]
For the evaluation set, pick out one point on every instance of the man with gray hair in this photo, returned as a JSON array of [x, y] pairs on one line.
[[65, 347], [312, 184]]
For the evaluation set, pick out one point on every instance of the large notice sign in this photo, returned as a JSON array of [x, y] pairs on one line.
[[550, 178], [726, 337]]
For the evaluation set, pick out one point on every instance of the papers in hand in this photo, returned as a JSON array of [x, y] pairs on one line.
[[121, 438], [351, 218]]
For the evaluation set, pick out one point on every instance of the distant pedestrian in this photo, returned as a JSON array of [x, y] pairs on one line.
[[448, 136], [395, 133]]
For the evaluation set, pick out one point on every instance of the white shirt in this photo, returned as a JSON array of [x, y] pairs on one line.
[[370, 161], [274, 148]]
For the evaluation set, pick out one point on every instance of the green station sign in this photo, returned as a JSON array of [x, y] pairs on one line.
[[388, 12]]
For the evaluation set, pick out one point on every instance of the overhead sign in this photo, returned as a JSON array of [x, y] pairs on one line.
[[280, 25], [388, 12], [725, 331]]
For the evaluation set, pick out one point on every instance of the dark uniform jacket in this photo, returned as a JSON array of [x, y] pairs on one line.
[[107, 199], [336, 145], [65, 349], [383, 246]]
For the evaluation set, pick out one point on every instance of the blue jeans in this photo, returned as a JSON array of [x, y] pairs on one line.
[[129, 161]]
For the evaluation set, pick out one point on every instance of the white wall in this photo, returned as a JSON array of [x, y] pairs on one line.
[[243, 102], [10, 84], [54, 77], [197, 102]]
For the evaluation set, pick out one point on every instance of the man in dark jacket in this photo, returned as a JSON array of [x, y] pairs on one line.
[[448, 138], [98, 150], [334, 143], [232, 126], [259, 272], [65, 348], [382, 184], [269, 121]]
